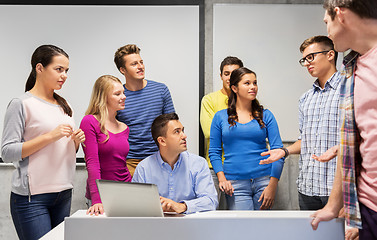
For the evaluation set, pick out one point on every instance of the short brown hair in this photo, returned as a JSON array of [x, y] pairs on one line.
[[158, 127], [326, 42], [123, 51], [230, 61], [363, 8]]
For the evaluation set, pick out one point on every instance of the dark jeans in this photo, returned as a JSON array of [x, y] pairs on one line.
[[369, 223], [45, 211], [311, 202]]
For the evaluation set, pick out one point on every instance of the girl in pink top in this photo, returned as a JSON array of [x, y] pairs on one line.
[[106, 145], [40, 139]]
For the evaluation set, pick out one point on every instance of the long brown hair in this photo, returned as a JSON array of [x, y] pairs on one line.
[[256, 108], [44, 55]]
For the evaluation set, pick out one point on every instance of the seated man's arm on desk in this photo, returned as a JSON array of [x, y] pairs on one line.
[[206, 195], [169, 205]]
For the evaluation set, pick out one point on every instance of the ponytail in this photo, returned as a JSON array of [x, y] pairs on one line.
[[63, 104], [30, 81]]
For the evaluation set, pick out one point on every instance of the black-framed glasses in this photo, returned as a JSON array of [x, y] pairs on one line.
[[310, 57]]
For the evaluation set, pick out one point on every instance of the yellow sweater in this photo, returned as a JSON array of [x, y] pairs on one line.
[[211, 103]]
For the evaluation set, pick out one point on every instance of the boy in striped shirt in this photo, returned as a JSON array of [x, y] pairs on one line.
[[145, 100]]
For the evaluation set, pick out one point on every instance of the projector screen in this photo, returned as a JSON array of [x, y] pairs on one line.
[[267, 38], [167, 35]]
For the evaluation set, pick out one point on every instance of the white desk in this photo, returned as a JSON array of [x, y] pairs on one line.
[[232, 225], [55, 234]]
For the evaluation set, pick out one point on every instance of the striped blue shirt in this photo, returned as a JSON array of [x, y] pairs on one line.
[[142, 107], [319, 131]]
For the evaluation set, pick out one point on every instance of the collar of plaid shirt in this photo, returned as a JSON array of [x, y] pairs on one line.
[[349, 142]]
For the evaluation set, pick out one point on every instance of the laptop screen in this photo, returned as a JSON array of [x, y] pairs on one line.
[[126, 199]]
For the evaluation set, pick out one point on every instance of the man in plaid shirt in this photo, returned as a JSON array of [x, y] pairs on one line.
[[318, 118], [352, 24]]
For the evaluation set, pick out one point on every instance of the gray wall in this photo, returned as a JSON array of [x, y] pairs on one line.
[[101, 38], [209, 30], [286, 198]]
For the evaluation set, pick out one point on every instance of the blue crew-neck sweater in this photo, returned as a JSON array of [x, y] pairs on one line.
[[243, 144]]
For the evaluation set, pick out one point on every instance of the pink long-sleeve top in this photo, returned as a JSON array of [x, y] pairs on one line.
[[104, 160]]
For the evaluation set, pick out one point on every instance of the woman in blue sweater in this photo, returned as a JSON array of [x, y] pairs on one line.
[[242, 130]]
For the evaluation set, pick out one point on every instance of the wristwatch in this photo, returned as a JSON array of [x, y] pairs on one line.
[[285, 151]]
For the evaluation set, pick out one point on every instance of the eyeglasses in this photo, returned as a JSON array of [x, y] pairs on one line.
[[310, 57]]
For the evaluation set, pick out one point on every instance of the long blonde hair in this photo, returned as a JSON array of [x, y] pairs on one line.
[[98, 100]]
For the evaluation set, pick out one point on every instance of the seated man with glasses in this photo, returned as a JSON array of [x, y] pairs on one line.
[[318, 118]]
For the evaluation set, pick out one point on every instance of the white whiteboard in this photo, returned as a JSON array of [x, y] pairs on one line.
[[167, 35], [267, 37]]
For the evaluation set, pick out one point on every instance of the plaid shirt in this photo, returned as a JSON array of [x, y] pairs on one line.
[[319, 131], [349, 142]]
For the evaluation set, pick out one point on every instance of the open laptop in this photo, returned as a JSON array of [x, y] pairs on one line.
[[126, 199]]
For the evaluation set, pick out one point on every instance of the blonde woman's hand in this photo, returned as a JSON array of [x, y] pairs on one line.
[[96, 209]]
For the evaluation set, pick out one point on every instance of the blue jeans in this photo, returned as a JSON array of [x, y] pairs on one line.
[[247, 193], [45, 211]]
